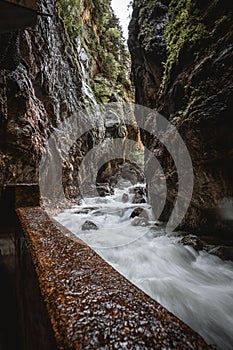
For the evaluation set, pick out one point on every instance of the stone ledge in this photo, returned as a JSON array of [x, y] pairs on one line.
[[90, 305]]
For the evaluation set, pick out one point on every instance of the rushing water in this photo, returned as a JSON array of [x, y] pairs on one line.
[[196, 287]]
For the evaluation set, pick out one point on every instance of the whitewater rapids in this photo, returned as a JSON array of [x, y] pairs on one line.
[[195, 286]]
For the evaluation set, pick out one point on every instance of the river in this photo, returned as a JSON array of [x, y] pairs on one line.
[[195, 286]]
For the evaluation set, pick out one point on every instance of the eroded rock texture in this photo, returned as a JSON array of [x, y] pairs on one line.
[[182, 65], [38, 89], [44, 80]]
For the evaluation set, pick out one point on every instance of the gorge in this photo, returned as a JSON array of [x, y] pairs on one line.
[[66, 101]]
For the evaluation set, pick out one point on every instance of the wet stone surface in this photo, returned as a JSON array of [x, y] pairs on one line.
[[89, 225], [92, 306]]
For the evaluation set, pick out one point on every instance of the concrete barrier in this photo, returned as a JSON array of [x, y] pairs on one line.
[[89, 304]]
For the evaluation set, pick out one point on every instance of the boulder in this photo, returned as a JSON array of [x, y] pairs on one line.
[[125, 198], [104, 189], [192, 241], [139, 212], [89, 225], [223, 252], [138, 198], [139, 192], [139, 221]]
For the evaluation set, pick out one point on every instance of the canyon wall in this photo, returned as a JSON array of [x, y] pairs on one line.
[[49, 73], [182, 56]]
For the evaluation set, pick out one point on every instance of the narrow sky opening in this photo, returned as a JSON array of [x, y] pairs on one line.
[[122, 11]]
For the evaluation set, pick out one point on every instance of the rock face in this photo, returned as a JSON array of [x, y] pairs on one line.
[[182, 57], [44, 80], [123, 171], [38, 90]]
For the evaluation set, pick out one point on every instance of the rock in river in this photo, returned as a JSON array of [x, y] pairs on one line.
[[125, 198], [139, 212], [89, 225], [139, 221]]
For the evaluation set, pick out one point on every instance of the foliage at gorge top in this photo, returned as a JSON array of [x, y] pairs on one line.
[[94, 24]]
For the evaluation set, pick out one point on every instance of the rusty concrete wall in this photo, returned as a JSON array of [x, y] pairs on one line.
[[34, 326], [24, 321], [90, 305]]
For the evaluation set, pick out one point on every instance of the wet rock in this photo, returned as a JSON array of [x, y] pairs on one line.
[[129, 172], [223, 248], [104, 190], [159, 223], [223, 252], [195, 97], [147, 46], [89, 225], [122, 131], [140, 192], [138, 198], [139, 221], [138, 189], [192, 241], [125, 198], [38, 92], [112, 120], [84, 211], [139, 212]]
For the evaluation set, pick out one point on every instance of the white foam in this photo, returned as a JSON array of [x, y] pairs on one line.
[[196, 287]]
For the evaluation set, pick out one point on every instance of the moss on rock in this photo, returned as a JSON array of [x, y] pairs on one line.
[[184, 27], [95, 25], [193, 89]]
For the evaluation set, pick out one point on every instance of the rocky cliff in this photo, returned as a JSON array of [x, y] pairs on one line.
[[47, 74], [182, 57]]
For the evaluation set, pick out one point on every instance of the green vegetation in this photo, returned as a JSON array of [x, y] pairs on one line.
[[184, 26], [105, 91], [94, 23], [221, 21], [70, 11]]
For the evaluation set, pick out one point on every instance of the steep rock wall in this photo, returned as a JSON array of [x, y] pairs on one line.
[[182, 57], [45, 77], [37, 91], [95, 34]]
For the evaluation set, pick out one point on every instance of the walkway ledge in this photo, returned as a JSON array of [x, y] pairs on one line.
[[90, 305]]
